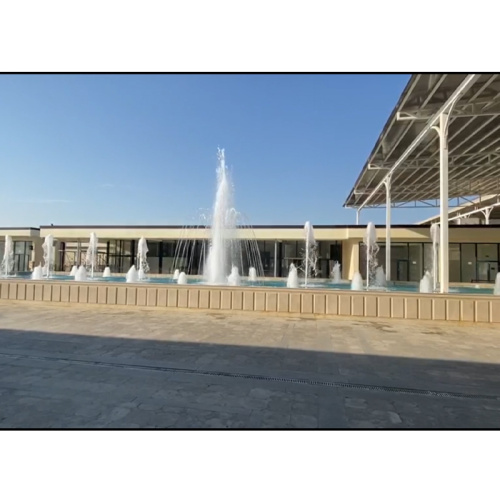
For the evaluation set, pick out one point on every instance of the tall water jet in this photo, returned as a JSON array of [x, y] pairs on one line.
[[8, 257], [216, 246], [293, 278], [370, 240], [222, 225], [81, 274], [37, 273], [182, 279], [336, 274], [142, 258], [357, 282], [91, 256], [132, 275], [380, 280], [234, 278], [176, 275], [435, 247], [107, 272], [73, 271], [426, 283], [496, 289], [311, 254], [252, 274], [48, 255]]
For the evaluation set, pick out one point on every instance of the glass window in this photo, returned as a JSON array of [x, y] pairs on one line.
[[468, 262], [415, 252], [454, 266], [487, 251]]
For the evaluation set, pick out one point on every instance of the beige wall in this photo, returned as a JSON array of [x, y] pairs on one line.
[[322, 303]]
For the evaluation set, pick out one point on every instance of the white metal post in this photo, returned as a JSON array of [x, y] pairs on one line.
[[487, 213], [357, 217], [443, 211], [388, 229]]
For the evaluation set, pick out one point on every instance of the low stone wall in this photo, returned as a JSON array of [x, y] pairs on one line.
[[452, 307]]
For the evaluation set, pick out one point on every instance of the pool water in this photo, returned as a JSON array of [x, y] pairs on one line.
[[279, 283]]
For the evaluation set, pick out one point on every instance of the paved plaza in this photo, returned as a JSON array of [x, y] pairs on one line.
[[77, 366]]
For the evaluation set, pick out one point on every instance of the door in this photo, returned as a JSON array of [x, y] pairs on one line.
[[402, 270]]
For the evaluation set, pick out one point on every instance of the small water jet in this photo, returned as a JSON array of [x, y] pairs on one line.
[[357, 281], [311, 253], [496, 289], [132, 275], [73, 271], [435, 247], [81, 274], [37, 273], [176, 275], [48, 255], [142, 258], [380, 281], [252, 274], [426, 283], [107, 272], [91, 256], [293, 277], [8, 257], [234, 278], [336, 273], [370, 240], [182, 279]]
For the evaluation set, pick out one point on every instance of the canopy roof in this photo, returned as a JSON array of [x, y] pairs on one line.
[[473, 144]]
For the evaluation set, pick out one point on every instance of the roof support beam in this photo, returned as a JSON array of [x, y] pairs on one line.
[[475, 211], [459, 92]]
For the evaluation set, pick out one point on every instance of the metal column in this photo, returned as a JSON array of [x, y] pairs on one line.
[[443, 211], [357, 217], [387, 183]]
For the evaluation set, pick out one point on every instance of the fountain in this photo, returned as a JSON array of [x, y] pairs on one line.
[[380, 281], [496, 289], [37, 273], [8, 257], [435, 245], [107, 272], [176, 275], [81, 274], [182, 279], [252, 274], [73, 270], [91, 256], [426, 283], [142, 259], [234, 278], [222, 227], [357, 282], [311, 254], [216, 247], [336, 274], [48, 255], [370, 240], [293, 278], [132, 275]]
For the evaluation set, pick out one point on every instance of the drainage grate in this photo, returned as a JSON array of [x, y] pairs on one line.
[[264, 378]]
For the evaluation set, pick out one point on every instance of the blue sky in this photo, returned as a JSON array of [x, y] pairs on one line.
[[141, 149]]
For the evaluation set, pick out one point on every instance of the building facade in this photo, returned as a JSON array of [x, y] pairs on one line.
[[474, 249]]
